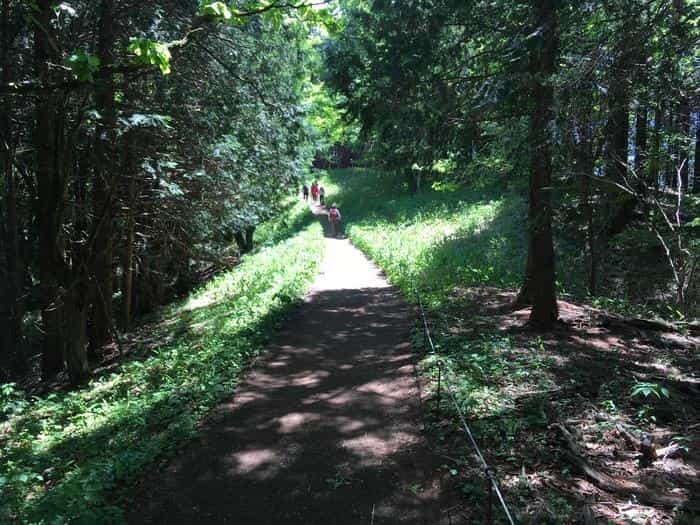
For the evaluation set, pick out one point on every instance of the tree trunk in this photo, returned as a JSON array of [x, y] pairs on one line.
[[696, 168], [249, 233], [103, 182], [617, 132], [11, 306], [655, 156], [622, 205], [49, 190], [241, 241], [669, 171], [525, 296], [540, 279], [76, 309], [586, 165], [684, 134], [640, 144], [127, 284]]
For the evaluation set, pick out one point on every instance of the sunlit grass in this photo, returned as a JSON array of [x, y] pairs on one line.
[[63, 456], [435, 240]]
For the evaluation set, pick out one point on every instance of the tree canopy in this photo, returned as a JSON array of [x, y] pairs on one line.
[[139, 139]]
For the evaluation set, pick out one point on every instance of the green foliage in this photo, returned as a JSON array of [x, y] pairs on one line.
[[217, 10], [436, 239], [272, 12], [327, 121], [83, 66], [150, 52], [62, 455], [649, 389]]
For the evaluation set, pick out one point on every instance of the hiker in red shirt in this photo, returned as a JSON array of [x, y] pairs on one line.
[[334, 219], [314, 191]]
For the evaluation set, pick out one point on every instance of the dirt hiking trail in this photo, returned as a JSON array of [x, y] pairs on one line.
[[325, 428]]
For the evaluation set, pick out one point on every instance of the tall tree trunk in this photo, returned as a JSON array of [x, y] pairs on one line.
[[640, 143], [127, 283], [622, 205], [103, 182], [249, 238], [617, 131], [76, 308], [655, 155], [49, 191], [684, 134], [586, 165], [11, 306], [241, 241], [540, 279], [669, 171], [696, 168]]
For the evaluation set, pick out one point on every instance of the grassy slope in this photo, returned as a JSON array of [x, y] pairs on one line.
[[435, 239], [451, 243], [65, 456]]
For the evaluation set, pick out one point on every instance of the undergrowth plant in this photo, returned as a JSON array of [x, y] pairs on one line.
[[65, 457]]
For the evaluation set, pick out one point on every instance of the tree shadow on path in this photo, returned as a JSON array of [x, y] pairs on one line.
[[326, 428]]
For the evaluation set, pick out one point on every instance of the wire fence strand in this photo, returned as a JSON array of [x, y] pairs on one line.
[[444, 372]]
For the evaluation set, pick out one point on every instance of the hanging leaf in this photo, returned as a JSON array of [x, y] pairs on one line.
[[150, 52], [83, 66], [218, 10]]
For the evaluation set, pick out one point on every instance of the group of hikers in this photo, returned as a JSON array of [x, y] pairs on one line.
[[318, 194]]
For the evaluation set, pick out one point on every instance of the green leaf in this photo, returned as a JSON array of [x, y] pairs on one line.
[[83, 66], [150, 52], [217, 10]]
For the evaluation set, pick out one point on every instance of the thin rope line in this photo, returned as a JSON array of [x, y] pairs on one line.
[[487, 470]]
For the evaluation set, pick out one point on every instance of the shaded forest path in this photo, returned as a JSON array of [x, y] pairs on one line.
[[325, 429]]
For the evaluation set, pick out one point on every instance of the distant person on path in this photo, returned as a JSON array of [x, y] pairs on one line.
[[305, 192], [321, 195], [334, 219], [314, 191]]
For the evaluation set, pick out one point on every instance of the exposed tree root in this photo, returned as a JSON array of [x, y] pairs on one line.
[[576, 454], [609, 320]]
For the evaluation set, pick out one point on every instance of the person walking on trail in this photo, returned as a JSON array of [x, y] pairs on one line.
[[334, 219], [321, 195], [305, 192], [314, 191]]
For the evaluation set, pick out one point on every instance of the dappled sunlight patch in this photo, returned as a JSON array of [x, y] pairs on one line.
[[263, 460], [290, 423], [309, 379], [372, 447], [196, 303]]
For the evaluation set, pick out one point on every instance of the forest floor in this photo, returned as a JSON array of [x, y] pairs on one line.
[[569, 412], [327, 426]]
